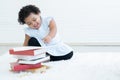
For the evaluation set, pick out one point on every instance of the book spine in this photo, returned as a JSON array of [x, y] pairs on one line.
[[23, 67], [27, 52]]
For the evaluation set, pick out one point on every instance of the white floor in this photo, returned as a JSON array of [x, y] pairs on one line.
[[4, 49], [89, 63], [82, 66]]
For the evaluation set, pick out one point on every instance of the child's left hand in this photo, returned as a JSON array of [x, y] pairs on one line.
[[47, 39]]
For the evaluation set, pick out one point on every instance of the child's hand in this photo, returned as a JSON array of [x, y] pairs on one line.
[[47, 39]]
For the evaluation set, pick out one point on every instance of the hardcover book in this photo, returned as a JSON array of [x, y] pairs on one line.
[[35, 61], [31, 51], [29, 57], [15, 66]]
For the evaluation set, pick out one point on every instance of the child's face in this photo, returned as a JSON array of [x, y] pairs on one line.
[[33, 21]]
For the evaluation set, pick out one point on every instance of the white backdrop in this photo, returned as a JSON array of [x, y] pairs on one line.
[[78, 21]]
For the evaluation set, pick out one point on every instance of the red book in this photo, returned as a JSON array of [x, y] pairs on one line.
[[22, 67], [31, 51]]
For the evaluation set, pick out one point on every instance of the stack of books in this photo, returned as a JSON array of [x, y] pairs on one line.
[[27, 58]]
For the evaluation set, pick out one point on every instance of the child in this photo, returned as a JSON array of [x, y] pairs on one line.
[[43, 32]]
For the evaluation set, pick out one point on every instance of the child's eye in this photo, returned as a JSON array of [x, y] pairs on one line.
[[29, 23], [34, 19]]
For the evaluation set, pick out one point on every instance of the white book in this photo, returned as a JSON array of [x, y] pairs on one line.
[[40, 60], [27, 57]]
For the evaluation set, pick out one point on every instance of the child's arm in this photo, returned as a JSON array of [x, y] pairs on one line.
[[26, 40], [52, 33]]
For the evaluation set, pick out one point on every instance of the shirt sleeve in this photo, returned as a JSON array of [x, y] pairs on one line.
[[26, 31], [48, 19]]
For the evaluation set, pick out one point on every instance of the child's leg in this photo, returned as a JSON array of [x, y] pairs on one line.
[[33, 42], [65, 57]]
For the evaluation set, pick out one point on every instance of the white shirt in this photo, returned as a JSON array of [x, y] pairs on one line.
[[55, 47]]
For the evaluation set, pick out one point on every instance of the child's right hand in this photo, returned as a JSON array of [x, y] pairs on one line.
[[47, 39]]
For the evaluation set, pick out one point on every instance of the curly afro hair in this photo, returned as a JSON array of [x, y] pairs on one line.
[[25, 12]]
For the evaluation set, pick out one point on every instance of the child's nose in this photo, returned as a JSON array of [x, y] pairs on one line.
[[34, 23]]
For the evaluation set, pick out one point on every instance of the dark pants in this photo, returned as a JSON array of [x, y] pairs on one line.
[[34, 42]]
